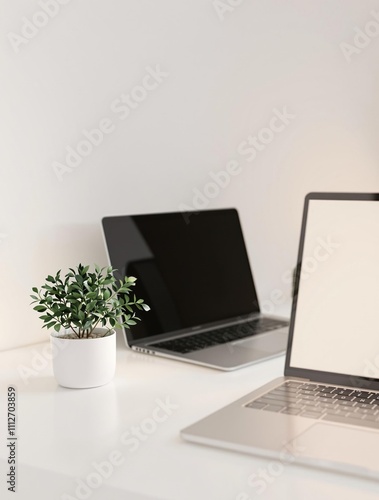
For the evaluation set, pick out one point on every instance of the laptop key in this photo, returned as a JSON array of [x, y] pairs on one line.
[[344, 397], [344, 409], [286, 390], [272, 398], [310, 398], [310, 394], [256, 405], [314, 409], [265, 401], [282, 393], [364, 411], [291, 411], [362, 405], [343, 392], [327, 405], [309, 402], [313, 386], [372, 417], [355, 416], [327, 389], [333, 412], [274, 408], [294, 406], [363, 394], [346, 403]]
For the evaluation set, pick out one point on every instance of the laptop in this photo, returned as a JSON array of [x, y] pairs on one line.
[[324, 412], [193, 271]]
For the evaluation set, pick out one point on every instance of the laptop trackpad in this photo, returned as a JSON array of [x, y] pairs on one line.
[[267, 342], [332, 445]]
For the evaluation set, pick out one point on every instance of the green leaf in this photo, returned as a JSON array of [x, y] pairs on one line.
[[82, 299], [108, 281], [87, 325], [79, 279], [45, 317], [40, 308]]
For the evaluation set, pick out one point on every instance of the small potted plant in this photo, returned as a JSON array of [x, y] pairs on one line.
[[83, 308]]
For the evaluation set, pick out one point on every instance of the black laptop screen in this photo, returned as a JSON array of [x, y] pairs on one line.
[[191, 271]]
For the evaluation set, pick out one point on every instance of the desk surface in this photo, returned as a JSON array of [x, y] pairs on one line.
[[123, 439]]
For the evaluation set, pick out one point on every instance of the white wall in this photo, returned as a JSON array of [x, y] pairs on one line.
[[226, 73]]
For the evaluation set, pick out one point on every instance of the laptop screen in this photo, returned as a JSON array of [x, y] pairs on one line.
[[335, 324], [190, 270]]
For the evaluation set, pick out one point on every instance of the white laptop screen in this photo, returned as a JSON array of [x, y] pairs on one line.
[[336, 325]]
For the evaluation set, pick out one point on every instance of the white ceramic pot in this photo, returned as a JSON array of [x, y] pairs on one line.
[[84, 363]]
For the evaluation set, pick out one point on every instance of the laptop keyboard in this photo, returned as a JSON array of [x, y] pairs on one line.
[[318, 401], [223, 335]]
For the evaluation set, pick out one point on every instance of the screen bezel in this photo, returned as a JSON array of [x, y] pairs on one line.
[[316, 375]]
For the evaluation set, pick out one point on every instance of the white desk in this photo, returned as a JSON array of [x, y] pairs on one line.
[[62, 432]]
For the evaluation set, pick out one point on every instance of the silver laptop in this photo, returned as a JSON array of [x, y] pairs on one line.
[[325, 410], [193, 271]]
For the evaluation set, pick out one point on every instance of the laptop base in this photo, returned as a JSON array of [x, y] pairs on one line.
[[231, 356], [289, 439]]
